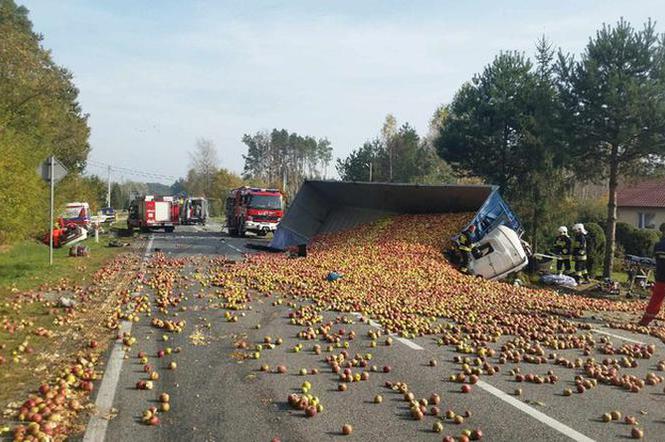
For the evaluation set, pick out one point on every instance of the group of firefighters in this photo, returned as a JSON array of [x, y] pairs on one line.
[[575, 249]]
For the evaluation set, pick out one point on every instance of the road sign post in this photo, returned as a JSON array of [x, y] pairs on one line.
[[51, 171], [50, 230]]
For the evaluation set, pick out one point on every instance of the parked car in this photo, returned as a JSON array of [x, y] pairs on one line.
[[108, 214]]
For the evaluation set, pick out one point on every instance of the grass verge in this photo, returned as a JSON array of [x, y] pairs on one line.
[[34, 335], [25, 265]]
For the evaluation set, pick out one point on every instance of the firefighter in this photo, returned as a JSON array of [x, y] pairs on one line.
[[465, 246], [579, 251], [658, 290], [562, 250]]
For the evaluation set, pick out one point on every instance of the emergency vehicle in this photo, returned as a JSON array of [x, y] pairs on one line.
[[153, 212], [252, 209], [194, 211], [77, 213]]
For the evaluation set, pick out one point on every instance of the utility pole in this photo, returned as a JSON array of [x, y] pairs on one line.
[[50, 236], [108, 188], [284, 180], [370, 171]]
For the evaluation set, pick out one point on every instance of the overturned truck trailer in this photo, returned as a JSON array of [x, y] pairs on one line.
[[331, 206]]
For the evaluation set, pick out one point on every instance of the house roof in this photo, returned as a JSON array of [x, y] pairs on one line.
[[649, 193]]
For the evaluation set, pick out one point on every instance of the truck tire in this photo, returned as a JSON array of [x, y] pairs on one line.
[[232, 230], [144, 230], [169, 229], [241, 228]]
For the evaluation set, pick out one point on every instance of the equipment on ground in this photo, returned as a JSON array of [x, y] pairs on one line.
[[66, 234], [151, 212], [194, 210], [252, 209], [640, 270]]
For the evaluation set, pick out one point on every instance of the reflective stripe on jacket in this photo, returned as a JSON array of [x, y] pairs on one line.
[[562, 246], [579, 247]]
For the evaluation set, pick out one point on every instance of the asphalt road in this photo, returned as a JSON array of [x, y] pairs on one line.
[[216, 396]]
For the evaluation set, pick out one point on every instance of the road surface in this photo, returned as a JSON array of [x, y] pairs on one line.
[[215, 396]]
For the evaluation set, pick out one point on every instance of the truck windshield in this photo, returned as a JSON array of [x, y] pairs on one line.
[[269, 202]]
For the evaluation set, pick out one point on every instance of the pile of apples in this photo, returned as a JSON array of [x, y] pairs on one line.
[[394, 272]]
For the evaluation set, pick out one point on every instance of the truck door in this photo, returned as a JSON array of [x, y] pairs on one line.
[[161, 212], [149, 217]]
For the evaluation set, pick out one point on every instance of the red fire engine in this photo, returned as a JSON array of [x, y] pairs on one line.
[[153, 212], [250, 209]]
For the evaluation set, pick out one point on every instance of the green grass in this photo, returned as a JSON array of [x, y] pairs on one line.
[[25, 264]]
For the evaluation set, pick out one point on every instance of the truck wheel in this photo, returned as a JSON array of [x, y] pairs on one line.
[[169, 229], [241, 228], [144, 230]]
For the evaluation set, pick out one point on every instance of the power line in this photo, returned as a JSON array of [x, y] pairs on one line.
[[129, 171]]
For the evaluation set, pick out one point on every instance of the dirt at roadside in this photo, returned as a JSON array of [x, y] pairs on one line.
[[47, 331]]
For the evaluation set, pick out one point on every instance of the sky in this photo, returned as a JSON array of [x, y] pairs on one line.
[[156, 76]]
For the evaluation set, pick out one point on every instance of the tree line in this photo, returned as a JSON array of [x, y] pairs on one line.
[[538, 127], [283, 159], [397, 154], [535, 127], [39, 116]]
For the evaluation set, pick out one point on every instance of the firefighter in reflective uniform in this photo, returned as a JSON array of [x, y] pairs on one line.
[[562, 246], [658, 290], [578, 247], [465, 246]]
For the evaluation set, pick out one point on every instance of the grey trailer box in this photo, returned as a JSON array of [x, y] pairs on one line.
[[332, 206]]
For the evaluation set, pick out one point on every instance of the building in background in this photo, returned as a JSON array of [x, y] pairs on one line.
[[642, 204]]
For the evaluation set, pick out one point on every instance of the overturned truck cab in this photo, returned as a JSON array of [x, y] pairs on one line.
[[331, 206]]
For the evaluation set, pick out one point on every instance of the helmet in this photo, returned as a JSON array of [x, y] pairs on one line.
[[579, 227], [563, 230], [471, 228]]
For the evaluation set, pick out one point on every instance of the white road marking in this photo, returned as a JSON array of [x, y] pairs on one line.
[[404, 341], [409, 343], [603, 332], [98, 424], [234, 247], [542, 417]]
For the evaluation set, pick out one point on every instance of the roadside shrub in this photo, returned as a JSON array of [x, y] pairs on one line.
[[638, 242], [596, 246]]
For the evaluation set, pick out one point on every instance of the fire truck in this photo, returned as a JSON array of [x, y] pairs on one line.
[[151, 212], [251, 209]]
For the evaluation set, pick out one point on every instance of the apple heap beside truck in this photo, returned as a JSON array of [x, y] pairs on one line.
[[331, 206]]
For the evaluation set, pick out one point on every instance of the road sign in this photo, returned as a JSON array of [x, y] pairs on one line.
[[51, 171], [58, 170]]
